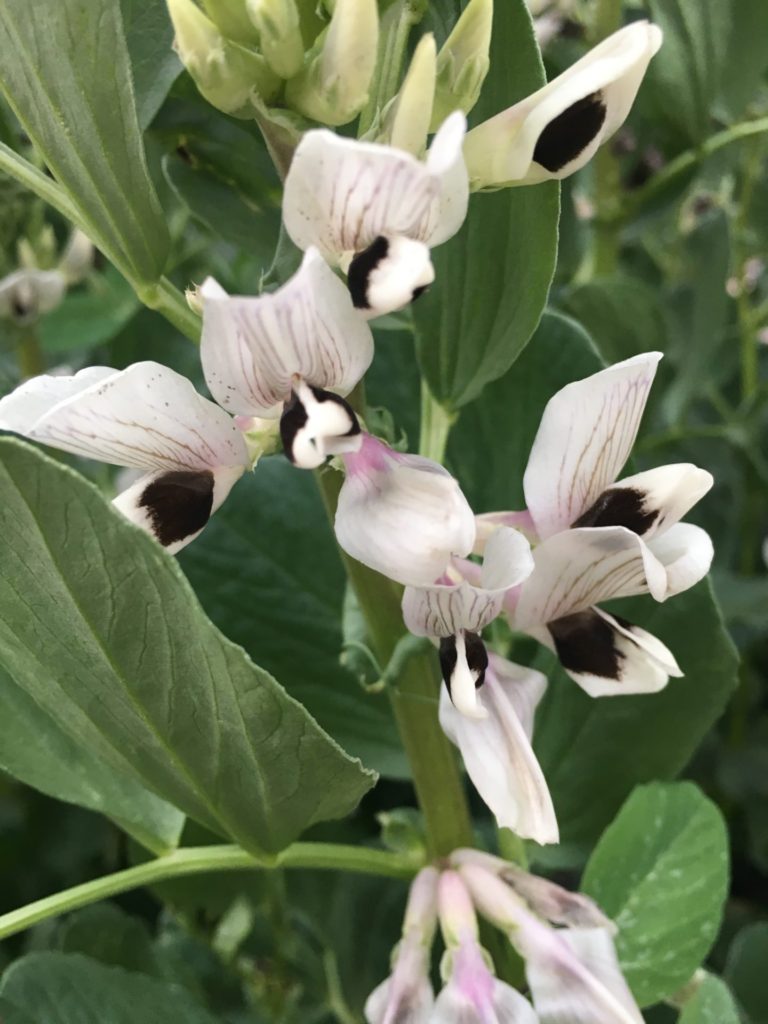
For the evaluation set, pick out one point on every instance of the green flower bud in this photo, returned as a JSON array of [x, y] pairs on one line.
[[463, 62], [226, 73], [231, 18], [407, 117], [333, 86], [280, 34]]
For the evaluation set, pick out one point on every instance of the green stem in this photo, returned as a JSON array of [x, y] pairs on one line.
[[166, 299], [750, 375], [685, 162], [414, 697], [203, 859], [30, 356], [436, 423], [396, 24]]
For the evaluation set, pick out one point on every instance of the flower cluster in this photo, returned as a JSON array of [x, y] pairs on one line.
[[564, 939]]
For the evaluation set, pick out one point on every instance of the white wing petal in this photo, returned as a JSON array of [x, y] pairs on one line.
[[686, 553], [20, 410]]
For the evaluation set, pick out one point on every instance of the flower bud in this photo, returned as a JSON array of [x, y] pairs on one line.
[[77, 258], [280, 34], [463, 63], [224, 72], [231, 18], [333, 86], [407, 117]]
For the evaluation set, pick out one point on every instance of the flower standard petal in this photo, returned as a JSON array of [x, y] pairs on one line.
[[584, 439], [254, 346], [558, 129], [402, 515], [21, 409]]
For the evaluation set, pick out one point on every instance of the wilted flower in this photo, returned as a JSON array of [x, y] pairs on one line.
[[289, 354], [406, 996], [145, 417], [402, 515], [600, 539], [376, 211], [573, 972], [471, 995], [559, 128]]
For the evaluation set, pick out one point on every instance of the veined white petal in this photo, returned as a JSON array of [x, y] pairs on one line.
[[576, 569], [253, 347], [27, 294], [341, 194], [523, 687], [649, 503], [446, 608], [406, 996], [489, 522], [402, 515], [686, 553], [584, 438], [608, 656], [146, 417], [174, 506], [497, 753], [558, 129]]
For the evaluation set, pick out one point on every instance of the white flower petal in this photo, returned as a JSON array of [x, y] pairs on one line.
[[389, 274], [27, 294], [175, 506], [402, 515], [524, 688], [558, 129], [575, 977], [498, 757], [510, 1006], [252, 347], [649, 503], [576, 569], [609, 657], [146, 417], [584, 438], [341, 194], [406, 996], [686, 553]]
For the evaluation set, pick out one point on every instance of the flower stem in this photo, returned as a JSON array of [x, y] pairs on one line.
[[414, 699], [396, 24], [202, 859], [166, 299], [436, 423], [30, 357]]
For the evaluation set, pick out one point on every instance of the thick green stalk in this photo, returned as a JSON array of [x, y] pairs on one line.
[[30, 357], [396, 24], [436, 423], [414, 698], [165, 298], [202, 859]]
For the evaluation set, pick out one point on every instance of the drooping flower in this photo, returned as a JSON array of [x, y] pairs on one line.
[[406, 996], [30, 292], [558, 129], [146, 417], [573, 972], [376, 211], [471, 995], [402, 515], [596, 538], [290, 354]]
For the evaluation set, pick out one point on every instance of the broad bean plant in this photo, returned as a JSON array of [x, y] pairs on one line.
[[375, 408]]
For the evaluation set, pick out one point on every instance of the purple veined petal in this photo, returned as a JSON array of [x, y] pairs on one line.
[[649, 503], [253, 347], [686, 552], [341, 194], [576, 569], [402, 515], [497, 751], [610, 657], [146, 417], [558, 129], [584, 439]]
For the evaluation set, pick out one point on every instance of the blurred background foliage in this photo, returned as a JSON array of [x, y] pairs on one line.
[[663, 245]]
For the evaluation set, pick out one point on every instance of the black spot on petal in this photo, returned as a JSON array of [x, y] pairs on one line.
[[178, 504], [361, 268], [620, 506], [570, 133], [476, 655], [419, 291], [295, 417], [586, 643]]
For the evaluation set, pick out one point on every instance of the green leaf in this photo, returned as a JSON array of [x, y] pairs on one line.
[[268, 573], [67, 988], [107, 934], [503, 423], [89, 317], [155, 66], [492, 279], [67, 75], [101, 629], [684, 77], [583, 743], [623, 315], [35, 749], [660, 871], [745, 971], [747, 55], [712, 1004]]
